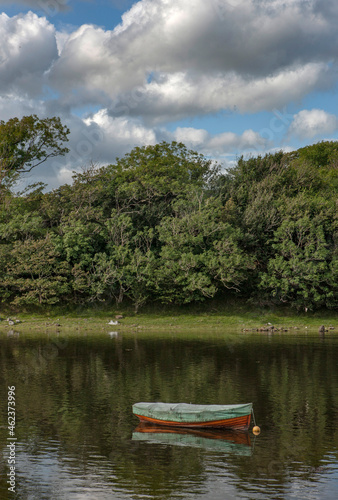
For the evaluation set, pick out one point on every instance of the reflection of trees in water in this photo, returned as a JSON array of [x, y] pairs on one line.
[[83, 395]]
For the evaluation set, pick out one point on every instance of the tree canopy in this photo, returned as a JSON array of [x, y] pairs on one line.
[[166, 224], [26, 143]]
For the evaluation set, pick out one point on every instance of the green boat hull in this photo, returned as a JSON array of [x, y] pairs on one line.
[[190, 415]]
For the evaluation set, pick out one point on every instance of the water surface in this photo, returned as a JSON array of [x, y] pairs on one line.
[[77, 437]]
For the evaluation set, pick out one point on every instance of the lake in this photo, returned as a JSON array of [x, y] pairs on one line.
[[76, 437]]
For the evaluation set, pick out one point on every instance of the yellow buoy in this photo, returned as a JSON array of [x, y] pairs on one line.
[[256, 430]]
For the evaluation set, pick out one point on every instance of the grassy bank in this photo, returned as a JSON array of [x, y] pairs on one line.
[[237, 317]]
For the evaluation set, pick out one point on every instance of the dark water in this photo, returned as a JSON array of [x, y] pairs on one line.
[[77, 437]]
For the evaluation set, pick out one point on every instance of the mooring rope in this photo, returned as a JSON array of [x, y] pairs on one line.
[[253, 416]]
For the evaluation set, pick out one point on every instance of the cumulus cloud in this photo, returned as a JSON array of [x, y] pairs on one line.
[[15, 105], [48, 6], [184, 58], [256, 38], [198, 57], [28, 48], [169, 97], [190, 136], [221, 144], [166, 61], [311, 123], [125, 131]]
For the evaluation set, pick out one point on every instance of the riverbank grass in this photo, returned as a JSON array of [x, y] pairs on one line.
[[235, 317]]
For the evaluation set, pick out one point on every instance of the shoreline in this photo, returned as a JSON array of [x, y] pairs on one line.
[[236, 321]]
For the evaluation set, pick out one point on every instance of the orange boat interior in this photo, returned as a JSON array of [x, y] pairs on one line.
[[237, 423]]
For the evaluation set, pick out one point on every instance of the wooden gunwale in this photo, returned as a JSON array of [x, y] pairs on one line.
[[240, 423]]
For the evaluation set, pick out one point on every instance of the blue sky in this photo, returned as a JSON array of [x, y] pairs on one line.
[[226, 77]]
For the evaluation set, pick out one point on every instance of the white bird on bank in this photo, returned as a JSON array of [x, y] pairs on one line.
[[112, 322]]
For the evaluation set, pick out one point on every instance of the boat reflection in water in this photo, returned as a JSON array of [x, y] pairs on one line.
[[225, 441]]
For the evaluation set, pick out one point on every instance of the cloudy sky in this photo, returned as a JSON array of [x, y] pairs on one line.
[[226, 77]]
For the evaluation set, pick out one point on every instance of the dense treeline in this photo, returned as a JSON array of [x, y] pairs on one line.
[[165, 224]]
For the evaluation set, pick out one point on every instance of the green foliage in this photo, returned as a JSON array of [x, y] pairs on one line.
[[199, 253], [320, 155], [161, 170], [164, 224], [21, 226], [34, 273], [301, 270], [149, 179], [83, 235], [26, 143]]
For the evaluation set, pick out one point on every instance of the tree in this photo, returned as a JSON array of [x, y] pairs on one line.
[[127, 266], [303, 269], [199, 253], [35, 273], [110, 269], [26, 143], [83, 235], [149, 179]]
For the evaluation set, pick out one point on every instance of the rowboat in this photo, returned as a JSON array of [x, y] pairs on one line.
[[195, 416], [223, 440]]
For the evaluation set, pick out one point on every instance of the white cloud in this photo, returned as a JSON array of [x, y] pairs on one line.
[[184, 58], [191, 136], [310, 123], [126, 131], [27, 50], [61, 39], [169, 97], [50, 7], [169, 60], [219, 145], [14, 105], [228, 141], [198, 57]]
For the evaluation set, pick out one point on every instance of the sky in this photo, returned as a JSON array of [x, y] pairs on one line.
[[225, 77]]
